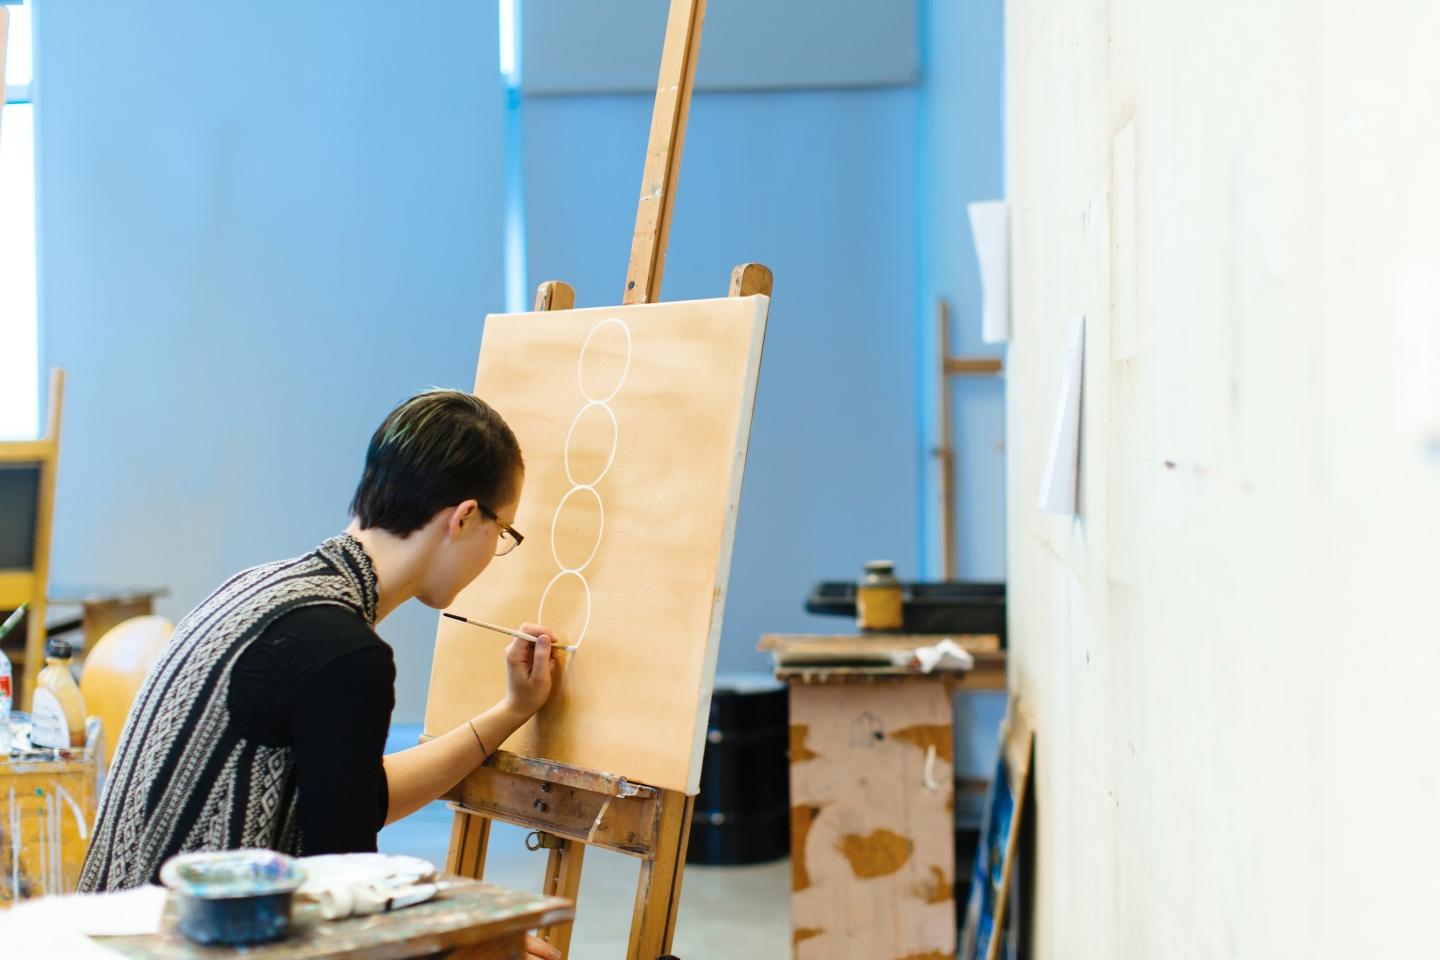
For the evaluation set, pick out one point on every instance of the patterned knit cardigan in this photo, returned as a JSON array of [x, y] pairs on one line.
[[183, 777]]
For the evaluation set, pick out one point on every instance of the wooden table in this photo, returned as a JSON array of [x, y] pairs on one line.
[[866, 658], [872, 793], [468, 920], [47, 807]]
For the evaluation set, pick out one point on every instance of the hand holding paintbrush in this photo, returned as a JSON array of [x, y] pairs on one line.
[[528, 659]]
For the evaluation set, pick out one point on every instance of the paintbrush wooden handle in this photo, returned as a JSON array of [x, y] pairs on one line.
[[517, 634]]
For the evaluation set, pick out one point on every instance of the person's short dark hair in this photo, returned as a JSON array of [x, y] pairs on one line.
[[437, 449]]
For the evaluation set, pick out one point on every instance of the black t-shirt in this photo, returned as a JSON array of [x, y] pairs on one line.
[[321, 682]]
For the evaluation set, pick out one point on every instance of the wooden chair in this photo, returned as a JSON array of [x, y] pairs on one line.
[[27, 494], [114, 671]]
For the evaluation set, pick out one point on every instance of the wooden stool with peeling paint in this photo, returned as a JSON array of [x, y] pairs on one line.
[[872, 793]]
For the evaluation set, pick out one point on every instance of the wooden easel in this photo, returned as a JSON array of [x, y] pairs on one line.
[[571, 808], [951, 366]]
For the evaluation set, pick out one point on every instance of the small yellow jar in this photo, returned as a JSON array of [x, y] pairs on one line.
[[879, 600]]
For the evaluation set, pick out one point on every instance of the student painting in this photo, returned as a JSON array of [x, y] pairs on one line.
[[263, 724]]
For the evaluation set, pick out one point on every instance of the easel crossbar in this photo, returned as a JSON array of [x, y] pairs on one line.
[[606, 784], [623, 824]]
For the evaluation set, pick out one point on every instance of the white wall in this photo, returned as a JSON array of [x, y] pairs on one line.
[[1231, 653]]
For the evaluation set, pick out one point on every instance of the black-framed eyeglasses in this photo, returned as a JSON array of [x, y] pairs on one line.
[[509, 538]]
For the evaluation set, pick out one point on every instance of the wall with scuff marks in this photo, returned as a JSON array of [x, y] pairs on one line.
[[1231, 653]]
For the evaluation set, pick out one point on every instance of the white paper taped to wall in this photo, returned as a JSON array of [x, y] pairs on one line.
[[990, 225], [1062, 465]]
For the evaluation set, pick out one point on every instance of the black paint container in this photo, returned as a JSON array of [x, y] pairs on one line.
[[742, 814], [234, 897]]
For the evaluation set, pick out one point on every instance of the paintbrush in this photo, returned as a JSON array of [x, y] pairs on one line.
[[13, 619], [518, 634]]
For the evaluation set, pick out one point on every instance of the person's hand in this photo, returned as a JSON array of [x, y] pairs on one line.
[[535, 948], [528, 667]]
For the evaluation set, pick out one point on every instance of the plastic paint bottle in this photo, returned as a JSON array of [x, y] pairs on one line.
[[7, 680], [6, 698], [57, 713]]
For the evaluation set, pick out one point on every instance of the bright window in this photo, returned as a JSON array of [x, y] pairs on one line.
[[19, 386]]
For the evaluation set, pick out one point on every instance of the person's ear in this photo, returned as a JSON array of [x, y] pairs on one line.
[[465, 513]]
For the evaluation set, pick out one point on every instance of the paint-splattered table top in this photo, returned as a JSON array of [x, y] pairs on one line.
[[867, 658], [466, 914]]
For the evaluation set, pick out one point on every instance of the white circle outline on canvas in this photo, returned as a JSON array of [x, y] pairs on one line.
[[546, 595], [599, 534], [580, 365], [614, 445]]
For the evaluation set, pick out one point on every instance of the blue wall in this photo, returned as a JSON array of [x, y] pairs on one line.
[[962, 160], [962, 138], [261, 226]]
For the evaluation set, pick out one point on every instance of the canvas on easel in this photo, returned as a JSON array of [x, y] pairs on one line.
[[634, 422]]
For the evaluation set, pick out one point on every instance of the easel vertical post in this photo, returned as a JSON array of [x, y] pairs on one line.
[[469, 839], [562, 879], [469, 831], [751, 279], [662, 155], [657, 896], [554, 295], [946, 450], [567, 857]]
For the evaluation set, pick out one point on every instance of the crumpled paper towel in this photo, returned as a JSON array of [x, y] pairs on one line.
[[947, 655], [354, 884]]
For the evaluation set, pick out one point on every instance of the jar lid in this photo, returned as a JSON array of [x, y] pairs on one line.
[[231, 874], [58, 648], [880, 566]]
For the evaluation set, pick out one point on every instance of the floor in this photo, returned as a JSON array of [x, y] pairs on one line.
[[725, 912]]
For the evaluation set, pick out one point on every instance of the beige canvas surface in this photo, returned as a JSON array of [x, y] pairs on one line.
[[634, 423]]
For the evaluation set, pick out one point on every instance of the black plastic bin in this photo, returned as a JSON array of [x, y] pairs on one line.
[[945, 606], [742, 814]]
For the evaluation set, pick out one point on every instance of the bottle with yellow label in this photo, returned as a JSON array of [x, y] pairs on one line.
[[879, 600], [57, 711]]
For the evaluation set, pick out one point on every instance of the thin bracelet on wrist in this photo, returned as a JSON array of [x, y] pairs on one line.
[[483, 752]]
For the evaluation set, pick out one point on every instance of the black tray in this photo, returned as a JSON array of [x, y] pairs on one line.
[[946, 606]]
